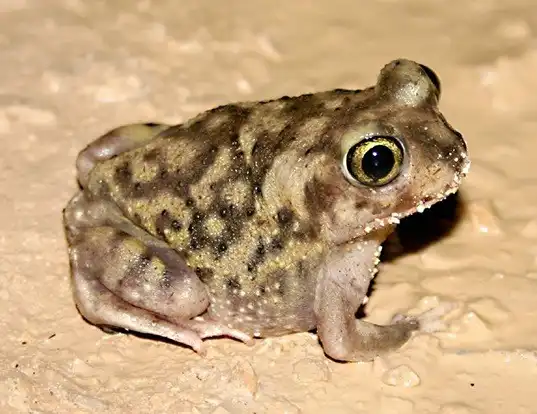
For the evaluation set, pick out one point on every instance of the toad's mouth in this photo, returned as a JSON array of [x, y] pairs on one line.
[[394, 218], [380, 227]]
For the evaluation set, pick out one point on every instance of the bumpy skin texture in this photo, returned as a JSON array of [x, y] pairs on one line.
[[244, 221]]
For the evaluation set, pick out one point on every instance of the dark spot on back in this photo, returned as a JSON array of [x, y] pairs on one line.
[[198, 237], [276, 243], [285, 216], [204, 274], [123, 175], [151, 155], [260, 250], [137, 219], [301, 269], [234, 140], [137, 190], [160, 230], [309, 104], [258, 256], [233, 283], [165, 221], [347, 91]]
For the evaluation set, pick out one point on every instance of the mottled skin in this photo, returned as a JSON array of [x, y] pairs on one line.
[[244, 221]]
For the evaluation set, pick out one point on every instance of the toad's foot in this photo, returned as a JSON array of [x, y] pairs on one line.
[[429, 321]]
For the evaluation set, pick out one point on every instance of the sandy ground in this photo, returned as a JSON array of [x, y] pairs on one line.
[[71, 70]]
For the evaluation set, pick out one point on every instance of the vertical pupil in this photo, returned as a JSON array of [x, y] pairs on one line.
[[378, 162]]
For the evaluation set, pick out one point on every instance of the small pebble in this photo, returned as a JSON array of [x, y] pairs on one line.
[[401, 376]]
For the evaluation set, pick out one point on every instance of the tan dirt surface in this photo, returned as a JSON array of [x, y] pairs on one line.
[[73, 69]]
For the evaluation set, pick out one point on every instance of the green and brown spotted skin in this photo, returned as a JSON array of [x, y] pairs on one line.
[[253, 197], [211, 190]]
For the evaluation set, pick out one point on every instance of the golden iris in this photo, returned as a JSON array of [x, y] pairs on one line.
[[375, 161]]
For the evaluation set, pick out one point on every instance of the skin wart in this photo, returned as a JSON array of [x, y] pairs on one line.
[[261, 219]]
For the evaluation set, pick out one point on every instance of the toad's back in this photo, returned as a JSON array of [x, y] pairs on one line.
[[234, 191]]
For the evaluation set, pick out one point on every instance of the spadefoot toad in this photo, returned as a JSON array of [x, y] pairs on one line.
[[259, 219]]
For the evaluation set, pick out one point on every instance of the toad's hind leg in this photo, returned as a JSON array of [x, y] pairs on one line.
[[115, 142], [124, 278]]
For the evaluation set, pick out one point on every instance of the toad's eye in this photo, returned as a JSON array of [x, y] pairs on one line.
[[374, 161], [433, 77]]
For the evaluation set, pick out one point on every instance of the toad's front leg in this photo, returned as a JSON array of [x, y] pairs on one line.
[[341, 290]]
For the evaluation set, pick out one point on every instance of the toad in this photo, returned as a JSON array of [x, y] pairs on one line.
[[259, 219]]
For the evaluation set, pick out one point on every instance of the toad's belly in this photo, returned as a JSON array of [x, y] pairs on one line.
[[266, 313]]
